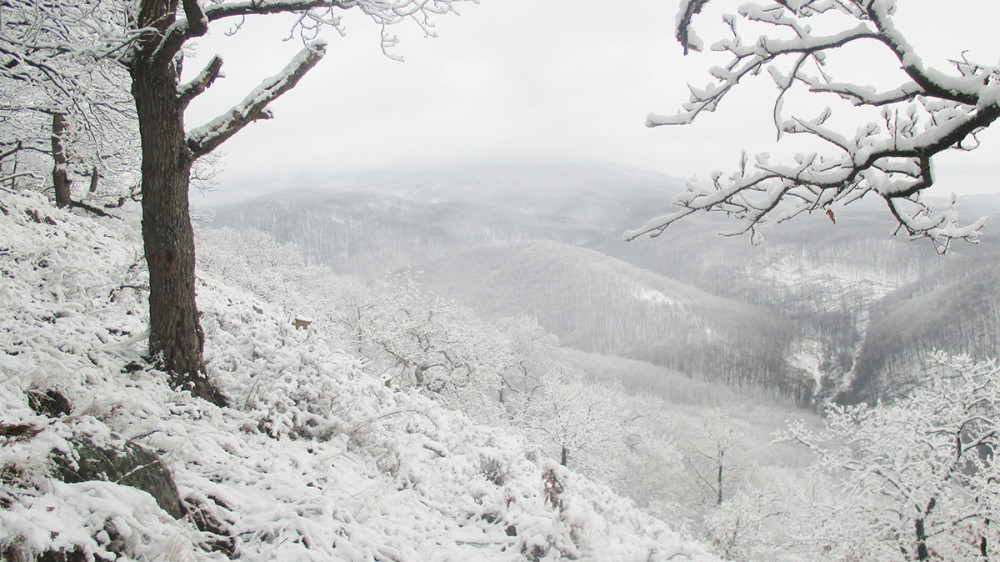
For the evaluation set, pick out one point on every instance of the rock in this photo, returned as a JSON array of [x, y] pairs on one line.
[[129, 464]]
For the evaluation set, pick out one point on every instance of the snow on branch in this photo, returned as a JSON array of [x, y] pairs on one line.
[[683, 28], [932, 112], [206, 138], [201, 82]]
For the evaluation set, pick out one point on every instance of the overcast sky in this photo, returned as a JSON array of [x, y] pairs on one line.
[[511, 80]]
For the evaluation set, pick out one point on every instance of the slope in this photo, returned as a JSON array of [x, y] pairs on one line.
[[597, 303], [824, 274], [595, 195], [316, 460], [956, 310]]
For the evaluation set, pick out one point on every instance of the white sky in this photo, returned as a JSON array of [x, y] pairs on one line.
[[534, 80]]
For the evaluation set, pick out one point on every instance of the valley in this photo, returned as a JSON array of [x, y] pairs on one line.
[[828, 308]]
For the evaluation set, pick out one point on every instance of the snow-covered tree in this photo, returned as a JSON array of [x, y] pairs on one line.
[[146, 37], [882, 142], [582, 424], [67, 116], [742, 526], [156, 36], [714, 454], [918, 477], [414, 339]]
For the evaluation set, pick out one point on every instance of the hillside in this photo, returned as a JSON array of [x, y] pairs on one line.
[[819, 281], [371, 234], [595, 195], [315, 460], [956, 310], [596, 303]]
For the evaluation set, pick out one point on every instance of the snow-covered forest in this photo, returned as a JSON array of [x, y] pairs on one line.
[[469, 362]]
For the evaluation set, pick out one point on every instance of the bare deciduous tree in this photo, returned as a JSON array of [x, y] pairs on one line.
[[66, 105], [930, 111], [919, 476], [146, 37]]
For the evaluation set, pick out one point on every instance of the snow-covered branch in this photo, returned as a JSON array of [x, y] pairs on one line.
[[201, 82], [891, 159], [206, 138]]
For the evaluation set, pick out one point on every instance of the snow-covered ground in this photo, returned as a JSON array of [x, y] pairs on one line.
[[314, 460]]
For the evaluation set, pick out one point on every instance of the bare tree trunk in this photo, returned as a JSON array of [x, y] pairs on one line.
[[59, 179], [922, 552], [175, 335]]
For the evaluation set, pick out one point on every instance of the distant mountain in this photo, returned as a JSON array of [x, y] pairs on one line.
[[369, 234], [594, 194], [828, 304], [370, 224], [826, 276]]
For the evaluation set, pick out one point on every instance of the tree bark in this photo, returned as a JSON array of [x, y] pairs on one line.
[[175, 334], [60, 181]]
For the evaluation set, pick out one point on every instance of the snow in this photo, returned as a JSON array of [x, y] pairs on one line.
[[806, 355], [657, 297], [315, 460]]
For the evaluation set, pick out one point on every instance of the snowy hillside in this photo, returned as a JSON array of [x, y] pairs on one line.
[[592, 194], [315, 460], [597, 303], [957, 309], [824, 279]]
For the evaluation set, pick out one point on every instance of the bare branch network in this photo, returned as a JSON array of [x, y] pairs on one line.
[[930, 112]]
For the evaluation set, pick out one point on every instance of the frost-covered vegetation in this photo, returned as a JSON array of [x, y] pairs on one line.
[[696, 454], [375, 421], [317, 458]]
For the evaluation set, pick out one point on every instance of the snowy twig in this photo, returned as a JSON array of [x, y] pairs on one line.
[[892, 160]]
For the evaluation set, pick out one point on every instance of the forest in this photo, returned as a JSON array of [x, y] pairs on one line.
[[506, 360]]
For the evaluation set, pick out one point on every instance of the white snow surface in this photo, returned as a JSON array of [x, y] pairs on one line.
[[806, 354], [657, 297], [314, 460]]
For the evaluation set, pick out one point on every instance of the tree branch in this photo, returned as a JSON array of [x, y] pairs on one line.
[[200, 83], [197, 21], [682, 29], [254, 7], [18, 146], [206, 138], [892, 160]]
